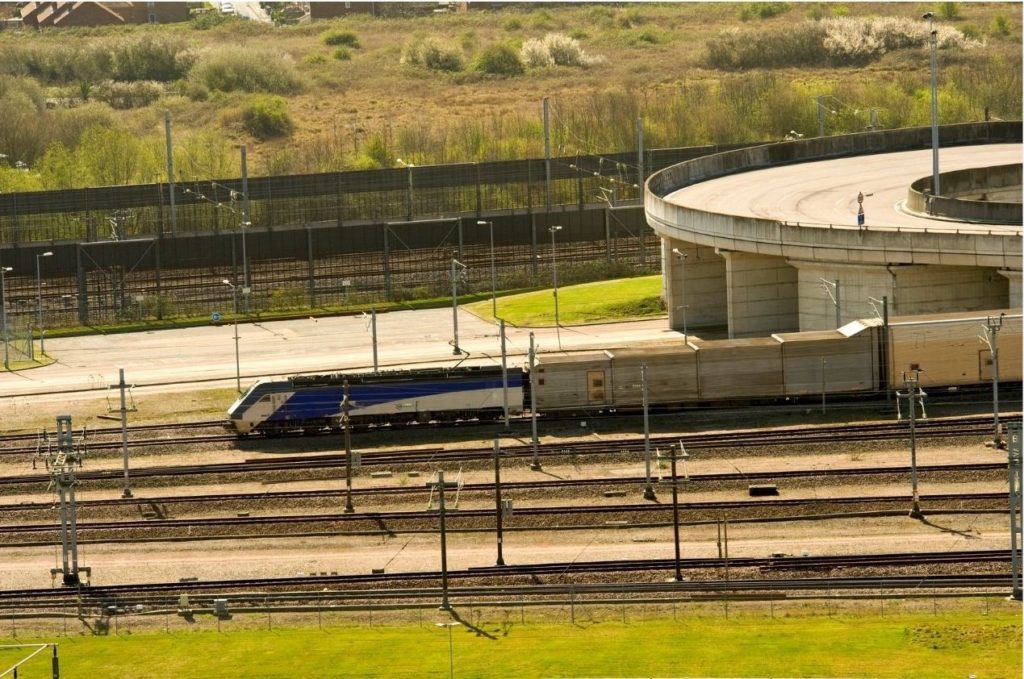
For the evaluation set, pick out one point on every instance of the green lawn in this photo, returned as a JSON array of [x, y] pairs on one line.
[[603, 301], [919, 646]]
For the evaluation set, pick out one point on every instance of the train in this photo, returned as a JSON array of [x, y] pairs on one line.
[[864, 357]]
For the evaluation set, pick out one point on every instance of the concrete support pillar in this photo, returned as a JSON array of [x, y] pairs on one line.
[[1015, 289], [762, 294], [911, 289], [696, 282]]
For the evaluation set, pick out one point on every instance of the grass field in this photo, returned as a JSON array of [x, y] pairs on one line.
[[921, 646], [603, 301]]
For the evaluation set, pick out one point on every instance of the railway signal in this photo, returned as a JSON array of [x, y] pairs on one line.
[[124, 410]]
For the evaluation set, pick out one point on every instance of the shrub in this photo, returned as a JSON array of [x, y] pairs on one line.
[[433, 54], [342, 54], [558, 50], [207, 20], [124, 95], [248, 69], [267, 116], [315, 58], [288, 297], [950, 11], [336, 38], [1000, 25], [149, 58], [512, 24], [499, 59], [762, 10]]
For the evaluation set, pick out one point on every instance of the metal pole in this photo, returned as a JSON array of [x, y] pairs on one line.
[[170, 169], [936, 190], [640, 159], [345, 406], [124, 434], [3, 314], [554, 281], [675, 514], [839, 321], [494, 275], [445, 606], [246, 221], [823, 386], [238, 361], [994, 325], [821, 116], [911, 384], [547, 156], [455, 310], [535, 464], [1013, 430], [648, 489], [885, 347], [504, 374], [497, 498], [373, 332], [682, 290]]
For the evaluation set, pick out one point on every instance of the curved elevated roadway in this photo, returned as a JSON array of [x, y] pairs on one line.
[[766, 239]]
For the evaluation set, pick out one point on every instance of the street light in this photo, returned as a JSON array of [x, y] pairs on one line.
[[455, 305], [494, 279], [39, 300], [234, 305], [934, 38], [682, 258], [451, 658], [3, 312], [554, 281]]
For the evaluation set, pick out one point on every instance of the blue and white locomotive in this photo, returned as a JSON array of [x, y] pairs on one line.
[[313, 402]]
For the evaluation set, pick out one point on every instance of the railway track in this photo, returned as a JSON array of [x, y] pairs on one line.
[[403, 585], [391, 521], [508, 486], [875, 431]]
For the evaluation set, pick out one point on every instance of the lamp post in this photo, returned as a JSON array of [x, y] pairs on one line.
[[494, 277], [39, 297], [3, 312], [682, 258], [234, 306], [554, 280], [451, 657], [455, 305], [934, 39]]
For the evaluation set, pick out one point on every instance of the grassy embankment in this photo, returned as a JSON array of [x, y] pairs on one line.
[[969, 643], [603, 301]]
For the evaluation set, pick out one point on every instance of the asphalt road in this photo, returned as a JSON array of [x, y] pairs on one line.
[[178, 359], [825, 192]]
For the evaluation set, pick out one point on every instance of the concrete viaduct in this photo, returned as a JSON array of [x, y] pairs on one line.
[[766, 239]]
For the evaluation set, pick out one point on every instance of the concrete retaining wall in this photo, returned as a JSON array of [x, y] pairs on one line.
[[998, 181]]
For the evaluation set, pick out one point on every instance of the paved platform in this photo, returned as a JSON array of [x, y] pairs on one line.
[[185, 358]]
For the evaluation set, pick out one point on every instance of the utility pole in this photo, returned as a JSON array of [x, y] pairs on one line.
[[992, 326], [1014, 457], [345, 407], [63, 464], [504, 374], [497, 497], [648, 488], [124, 430], [535, 464], [912, 394], [675, 504], [439, 485]]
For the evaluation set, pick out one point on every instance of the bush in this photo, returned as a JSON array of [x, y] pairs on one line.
[[950, 11], [315, 58], [207, 20], [149, 58], [342, 54], [288, 297], [336, 38], [433, 54], [499, 59], [1000, 25], [248, 69], [125, 95], [762, 10], [267, 116], [513, 24], [556, 49]]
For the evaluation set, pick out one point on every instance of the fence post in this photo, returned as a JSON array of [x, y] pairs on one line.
[[310, 267], [83, 299]]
